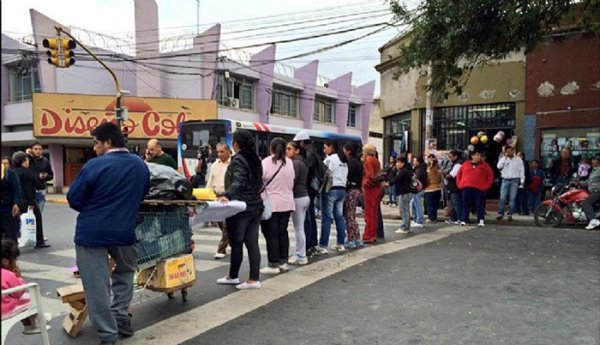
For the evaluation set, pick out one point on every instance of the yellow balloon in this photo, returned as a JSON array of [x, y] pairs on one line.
[[484, 139]]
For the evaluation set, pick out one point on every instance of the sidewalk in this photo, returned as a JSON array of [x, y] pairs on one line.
[[387, 212]]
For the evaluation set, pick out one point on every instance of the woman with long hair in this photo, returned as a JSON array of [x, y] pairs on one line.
[[372, 192], [278, 184], [433, 190], [243, 181], [353, 195], [301, 201]]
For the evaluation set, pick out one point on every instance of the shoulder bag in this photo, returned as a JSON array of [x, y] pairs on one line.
[[268, 206]]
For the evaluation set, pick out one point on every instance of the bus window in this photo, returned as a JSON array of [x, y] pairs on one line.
[[263, 143], [195, 135]]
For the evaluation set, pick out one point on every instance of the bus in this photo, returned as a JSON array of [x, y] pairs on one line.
[[195, 134]]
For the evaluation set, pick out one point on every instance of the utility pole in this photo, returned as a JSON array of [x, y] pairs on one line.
[[197, 17], [120, 113], [428, 108]]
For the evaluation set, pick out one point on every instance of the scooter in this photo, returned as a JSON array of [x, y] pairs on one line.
[[565, 205]]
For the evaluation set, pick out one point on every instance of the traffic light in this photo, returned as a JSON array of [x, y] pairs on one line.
[[53, 45], [67, 45], [59, 51]]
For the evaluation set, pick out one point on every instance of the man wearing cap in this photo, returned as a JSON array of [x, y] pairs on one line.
[[310, 223], [513, 178]]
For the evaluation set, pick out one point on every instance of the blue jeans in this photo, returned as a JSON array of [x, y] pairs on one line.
[[416, 205], [472, 197], [404, 202], [509, 190], [456, 201], [533, 200], [40, 198], [333, 207], [392, 194]]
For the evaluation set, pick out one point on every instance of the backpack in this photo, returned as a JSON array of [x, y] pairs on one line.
[[323, 179], [415, 184]]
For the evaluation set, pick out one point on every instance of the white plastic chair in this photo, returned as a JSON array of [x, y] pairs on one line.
[[34, 308]]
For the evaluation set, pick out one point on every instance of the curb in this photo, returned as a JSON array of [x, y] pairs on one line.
[[57, 201]]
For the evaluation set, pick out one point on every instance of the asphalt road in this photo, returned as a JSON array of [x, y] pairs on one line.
[[496, 285]]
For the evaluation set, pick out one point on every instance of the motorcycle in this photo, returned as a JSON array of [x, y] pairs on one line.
[[565, 205]]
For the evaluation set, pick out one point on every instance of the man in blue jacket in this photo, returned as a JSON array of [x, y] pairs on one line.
[[107, 194]]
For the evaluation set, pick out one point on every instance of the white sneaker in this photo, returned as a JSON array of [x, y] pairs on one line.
[[402, 231], [297, 261], [284, 268], [593, 224], [481, 224], [269, 270], [219, 256], [248, 286], [321, 250], [338, 248], [228, 281], [448, 221], [463, 223], [416, 225]]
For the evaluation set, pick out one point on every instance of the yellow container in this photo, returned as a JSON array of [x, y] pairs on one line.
[[170, 273], [205, 194]]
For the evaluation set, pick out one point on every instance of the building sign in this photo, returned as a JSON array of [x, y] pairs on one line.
[[75, 116]]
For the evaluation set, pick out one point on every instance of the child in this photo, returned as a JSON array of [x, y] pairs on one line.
[[11, 277]]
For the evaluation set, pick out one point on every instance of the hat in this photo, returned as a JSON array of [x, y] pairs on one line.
[[301, 136]]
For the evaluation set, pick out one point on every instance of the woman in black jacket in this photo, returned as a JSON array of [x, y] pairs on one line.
[[21, 161], [243, 182], [402, 182]]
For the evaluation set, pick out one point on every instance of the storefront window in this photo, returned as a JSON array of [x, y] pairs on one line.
[[584, 143], [397, 129]]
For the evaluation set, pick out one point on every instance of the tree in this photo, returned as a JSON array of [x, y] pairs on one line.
[[454, 36]]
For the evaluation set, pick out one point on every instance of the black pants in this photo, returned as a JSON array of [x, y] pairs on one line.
[[10, 226], [432, 200], [588, 205], [39, 227], [380, 232], [278, 241], [310, 226], [242, 229]]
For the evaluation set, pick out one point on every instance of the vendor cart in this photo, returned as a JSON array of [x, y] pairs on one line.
[[163, 238]]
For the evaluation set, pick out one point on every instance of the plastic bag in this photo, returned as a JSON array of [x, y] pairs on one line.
[[27, 229], [167, 183]]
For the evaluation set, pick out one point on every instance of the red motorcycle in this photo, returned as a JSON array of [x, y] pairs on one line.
[[565, 205]]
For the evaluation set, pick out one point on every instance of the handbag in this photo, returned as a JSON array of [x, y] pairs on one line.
[[28, 229], [268, 206]]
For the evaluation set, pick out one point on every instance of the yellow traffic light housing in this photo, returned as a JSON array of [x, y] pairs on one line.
[[59, 51]]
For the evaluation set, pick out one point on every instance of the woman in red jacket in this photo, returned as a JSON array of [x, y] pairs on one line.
[[371, 192], [474, 178]]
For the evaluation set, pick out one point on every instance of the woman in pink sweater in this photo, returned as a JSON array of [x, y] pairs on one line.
[[278, 177], [11, 277]]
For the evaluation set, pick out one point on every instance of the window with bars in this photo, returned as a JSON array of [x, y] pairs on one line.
[[451, 125], [351, 122], [284, 101], [324, 110], [236, 90], [22, 84]]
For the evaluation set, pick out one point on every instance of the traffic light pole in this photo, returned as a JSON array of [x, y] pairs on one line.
[[118, 110]]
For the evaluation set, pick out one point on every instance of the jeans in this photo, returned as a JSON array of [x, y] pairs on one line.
[[588, 205], [40, 198], [333, 208], [417, 206], [456, 202], [522, 204], [508, 190], [310, 226], [472, 197], [392, 194], [533, 200], [405, 201], [432, 202], [224, 242], [99, 282], [242, 229], [276, 235], [298, 217]]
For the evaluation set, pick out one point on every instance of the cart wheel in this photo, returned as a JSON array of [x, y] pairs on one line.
[[170, 295], [184, 295]]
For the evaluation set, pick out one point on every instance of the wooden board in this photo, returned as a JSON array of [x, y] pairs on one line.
[[74, 321], [71, 293]]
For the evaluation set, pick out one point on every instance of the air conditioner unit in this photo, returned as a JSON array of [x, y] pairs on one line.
[[234, 102]]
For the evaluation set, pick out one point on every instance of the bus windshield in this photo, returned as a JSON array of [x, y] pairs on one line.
[[194, 135]]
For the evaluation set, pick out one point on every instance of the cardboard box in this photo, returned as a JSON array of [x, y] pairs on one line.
[[74, 321], [71, 293], [170, 273]]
